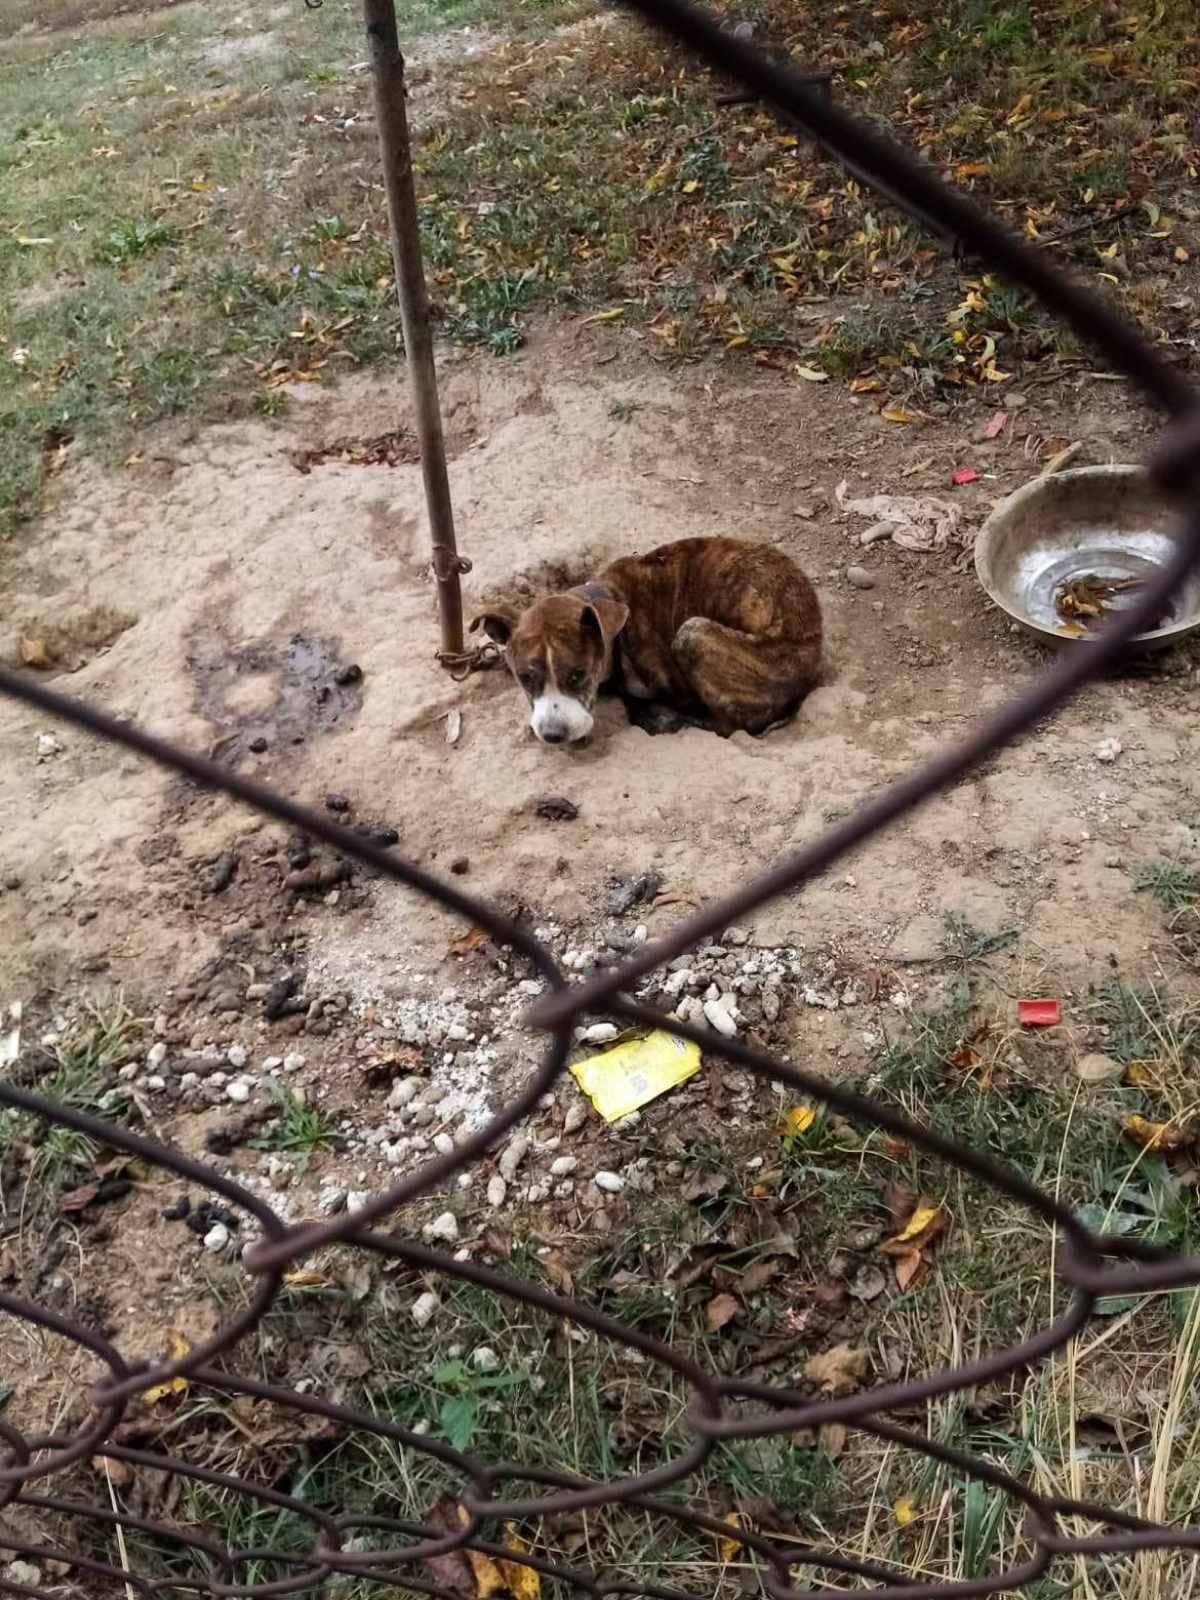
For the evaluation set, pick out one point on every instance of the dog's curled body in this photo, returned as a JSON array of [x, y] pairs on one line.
[[721, 629], [730, 629]]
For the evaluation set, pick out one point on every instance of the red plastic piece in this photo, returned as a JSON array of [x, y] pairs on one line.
[[1039, 1013], [964, 475]]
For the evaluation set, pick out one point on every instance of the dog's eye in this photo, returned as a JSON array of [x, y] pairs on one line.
[[528, 680], [576, 679]]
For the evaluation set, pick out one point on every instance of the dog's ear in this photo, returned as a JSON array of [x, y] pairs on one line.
[[607, 617], [498, 625]]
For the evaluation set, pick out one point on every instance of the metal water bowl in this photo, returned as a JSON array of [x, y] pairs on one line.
[[1093, 522]]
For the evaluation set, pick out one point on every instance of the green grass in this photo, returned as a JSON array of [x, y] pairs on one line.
[[584, 1405], [299, 1128], [194, 218], [1174, 886], [80, 1075]]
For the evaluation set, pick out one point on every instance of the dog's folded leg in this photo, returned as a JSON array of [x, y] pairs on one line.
[[745, 682], [652, 717]]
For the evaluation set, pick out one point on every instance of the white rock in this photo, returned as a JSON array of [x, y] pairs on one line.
[[497, 1189], [217, 1237], [575, 1118], [443, 1227], [512, 1156], [236, 1055], [403, 1092], [443, 1144], [156, 1054], [610, 1182], [770, 1005], [24, 1572], [272, 1063], [485, 1359], [357, 1199], [238, 1091], [155, 1082], [600, 1032], [716, 1014], [1108, 750], [424, 1308], [293, 1061], [47, 746], [564, 1166]]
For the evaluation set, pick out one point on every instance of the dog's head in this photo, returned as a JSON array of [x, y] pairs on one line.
[[560, 652]]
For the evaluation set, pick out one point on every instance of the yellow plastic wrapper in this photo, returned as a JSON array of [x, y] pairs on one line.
[[636, 1071]]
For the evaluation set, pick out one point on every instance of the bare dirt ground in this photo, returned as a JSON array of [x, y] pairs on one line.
[[215, 588], [176, 589]]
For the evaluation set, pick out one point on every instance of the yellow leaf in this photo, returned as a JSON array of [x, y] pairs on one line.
[[691, 186], [306, 1278], [24, 239], [524, 1583], [177, 1348], [489, 1580], [905, 1510], [917, 1223], [610, 315], [811, 374], [799, 1119], [972, 169], [993, 374], [738, 339], [728, 1549], [895, 414], [1019, 110], [1155, 1135], [1142, 1075]]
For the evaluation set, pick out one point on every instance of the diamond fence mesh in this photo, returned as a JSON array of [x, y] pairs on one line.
[[403, 1554]]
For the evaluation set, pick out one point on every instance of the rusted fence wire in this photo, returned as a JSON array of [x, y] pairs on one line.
[[722, 1407]]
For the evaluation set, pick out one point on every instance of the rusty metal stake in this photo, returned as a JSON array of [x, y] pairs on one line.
[[387, 69]]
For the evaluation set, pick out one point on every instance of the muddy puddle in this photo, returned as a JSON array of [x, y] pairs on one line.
[[265, 696]]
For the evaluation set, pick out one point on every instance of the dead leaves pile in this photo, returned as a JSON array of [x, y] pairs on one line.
[[477, 1574]]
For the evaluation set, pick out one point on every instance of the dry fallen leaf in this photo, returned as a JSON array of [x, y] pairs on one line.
[[307, 1278], [720, 1310], [926, 1223], [1143, 1075], [908, 1266], [473, 939], [798, 1119], [524, 1583], [453, 726], [811, 374], [895, 414], [1095, 1068], [838, 1370], [78, 1199], [728, 1549], [905, 1510], [831, 1437], [1155, 1135], [177, 1348], [489, 1579], [35, 654]]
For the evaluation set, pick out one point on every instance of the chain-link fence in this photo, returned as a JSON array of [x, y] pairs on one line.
[[404, 1553]]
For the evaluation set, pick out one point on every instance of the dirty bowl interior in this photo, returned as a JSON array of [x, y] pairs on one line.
[[1104, 522]]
